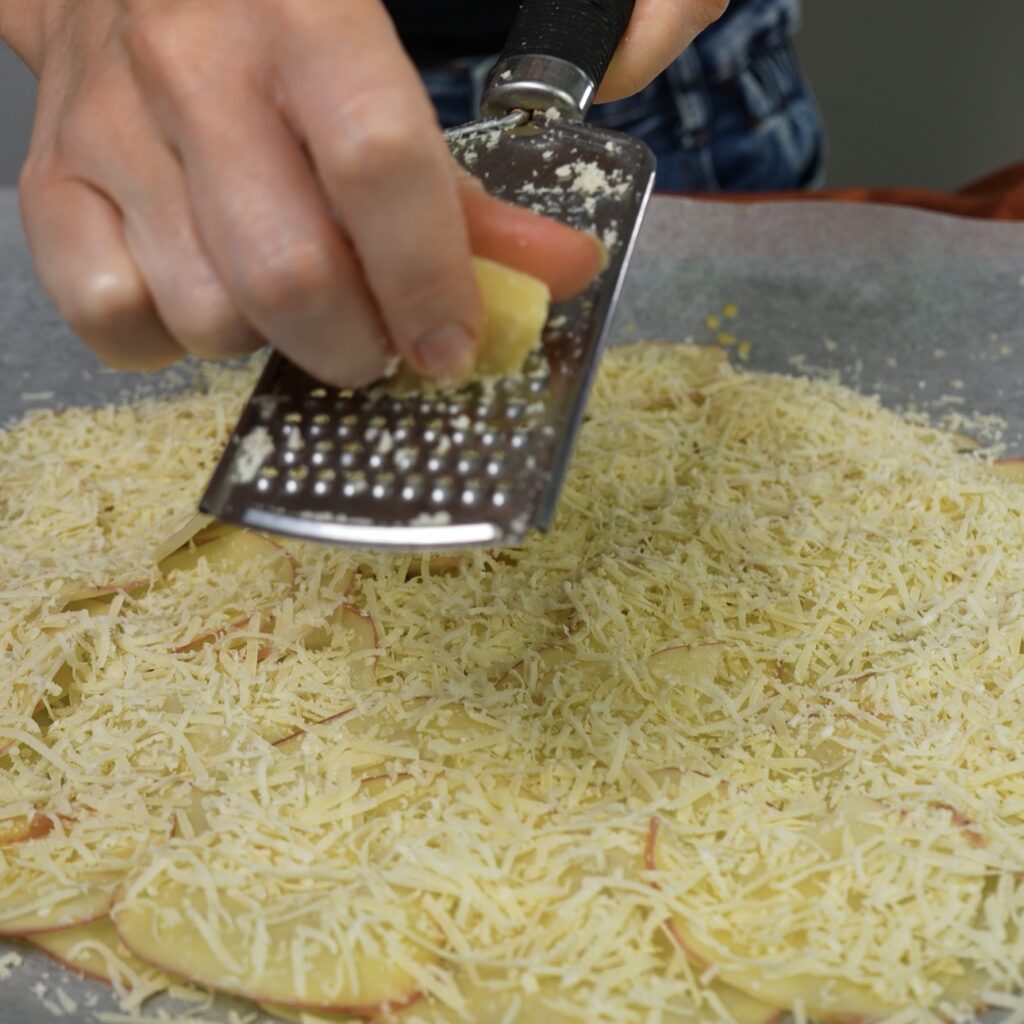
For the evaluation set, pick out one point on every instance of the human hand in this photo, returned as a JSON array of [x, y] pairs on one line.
[[658, 32], [207, 175]]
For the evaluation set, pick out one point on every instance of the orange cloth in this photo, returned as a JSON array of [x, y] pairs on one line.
[[998, 196]]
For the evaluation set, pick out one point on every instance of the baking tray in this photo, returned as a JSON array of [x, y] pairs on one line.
[[925, 310]]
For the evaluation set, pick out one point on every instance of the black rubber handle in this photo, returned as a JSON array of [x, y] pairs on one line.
[[584, 32]]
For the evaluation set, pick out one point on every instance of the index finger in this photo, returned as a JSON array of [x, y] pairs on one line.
[[371, 131]]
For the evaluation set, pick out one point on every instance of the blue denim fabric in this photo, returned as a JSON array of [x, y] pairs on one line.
[[732, 114]]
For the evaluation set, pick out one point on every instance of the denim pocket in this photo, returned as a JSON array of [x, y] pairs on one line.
[[767, 131]]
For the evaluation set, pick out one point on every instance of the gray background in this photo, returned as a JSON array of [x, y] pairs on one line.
[[915, 92]]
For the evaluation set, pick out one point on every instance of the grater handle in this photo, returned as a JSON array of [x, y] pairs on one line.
[[556, 56]]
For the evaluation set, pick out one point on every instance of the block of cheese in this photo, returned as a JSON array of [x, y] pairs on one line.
[[515, 311]]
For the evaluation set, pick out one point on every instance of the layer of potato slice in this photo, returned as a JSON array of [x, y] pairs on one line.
[[225, 583], [68, 876], [482, 1004], [28, 665], [692, 675], [198, 522], [743, 1008], [234, 909], [94, 950], [1010, 469], [80, 595], [24, 828], [296, 950], [352, 629], [856, 822], [418, 730]]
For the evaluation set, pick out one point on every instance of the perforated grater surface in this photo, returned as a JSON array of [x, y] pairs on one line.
[[484, 464]]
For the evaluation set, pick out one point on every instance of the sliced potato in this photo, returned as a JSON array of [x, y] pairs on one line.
[[354, 629], [25, 828], [29, 665], [295, 949], [238, 909], [95, 950], [856, 824], [692, 674], [1010, 469], [79, 595], [225, 583], [419, 730], [744, 1008], [181, 535], [68, 876], [296, 1016]]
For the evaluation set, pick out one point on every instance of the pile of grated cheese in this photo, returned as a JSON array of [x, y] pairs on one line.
[[742, 734]]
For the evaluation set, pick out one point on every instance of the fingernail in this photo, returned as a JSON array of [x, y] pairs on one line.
[[447, 353]]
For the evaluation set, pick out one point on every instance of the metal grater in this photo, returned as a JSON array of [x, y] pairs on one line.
[[481, 465]]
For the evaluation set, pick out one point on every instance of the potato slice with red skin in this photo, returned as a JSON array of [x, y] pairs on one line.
[[229, 553], [783, 993], [347, 618], [743, 1008], [95, 951], [172, 925], [439, 731], [25, 829], [88, 901], [176, 916], [831, 999], [181, 535], [1010, 469], [51, 882], [483, 1005], [177, 947], [77, 596]]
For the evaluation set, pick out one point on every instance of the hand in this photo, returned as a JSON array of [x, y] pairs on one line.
[[658, 32], [205, 175]]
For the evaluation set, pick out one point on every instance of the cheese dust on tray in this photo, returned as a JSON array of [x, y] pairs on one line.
[[740, 736]]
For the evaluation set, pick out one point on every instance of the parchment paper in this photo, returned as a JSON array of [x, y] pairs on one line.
[[924, 310]]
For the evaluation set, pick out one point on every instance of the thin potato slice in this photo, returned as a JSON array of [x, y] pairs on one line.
[[225, 931], [28, 667], [196, 523], [744, 1008], [484, 1004], [237, 909], [225, 582], [481, 1004], [95, 950], [68, 876], [1010, 469], [858, 823], [24, 828], [79, 595], [296, 1016], [692, 675], [353, 628], [421, 730]]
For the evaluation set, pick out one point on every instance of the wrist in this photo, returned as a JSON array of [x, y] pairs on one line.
[[21, 28]]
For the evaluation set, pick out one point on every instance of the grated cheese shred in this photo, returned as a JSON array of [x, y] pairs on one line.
[[741, 734]]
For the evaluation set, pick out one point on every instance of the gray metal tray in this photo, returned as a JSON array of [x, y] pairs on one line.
[[924, 310]]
